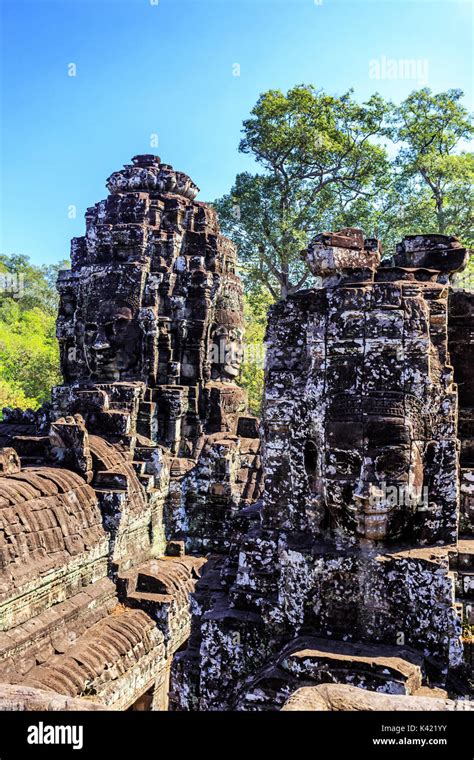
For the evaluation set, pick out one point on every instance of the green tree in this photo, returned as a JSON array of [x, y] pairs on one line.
[[325, 166], [430, 130], [400, 208], [12, 395], [310, 146], [37, 283], [29, 356], [256, 304]]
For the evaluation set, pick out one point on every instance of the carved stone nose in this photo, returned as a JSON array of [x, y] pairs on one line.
[[101, 343], [363, 490]]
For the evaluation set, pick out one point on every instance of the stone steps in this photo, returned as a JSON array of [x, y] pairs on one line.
[[371, 667]]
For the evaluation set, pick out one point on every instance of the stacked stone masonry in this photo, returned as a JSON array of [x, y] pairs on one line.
[[356, 566], [160, 548], [112, 496]]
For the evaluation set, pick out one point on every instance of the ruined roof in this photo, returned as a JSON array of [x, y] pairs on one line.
[[114, 644], [47, 516]]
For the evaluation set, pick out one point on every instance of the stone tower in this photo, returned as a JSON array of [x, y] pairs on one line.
[[351, 571], [146, 452], [150, 320]]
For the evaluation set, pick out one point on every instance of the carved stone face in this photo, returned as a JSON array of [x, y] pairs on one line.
[[111, 341], [372, 477], [227, 353]]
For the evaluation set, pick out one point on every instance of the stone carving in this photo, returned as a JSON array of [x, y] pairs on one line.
[[136, 497], [356, 541], [97, 508], [152, 300], [461, 346]]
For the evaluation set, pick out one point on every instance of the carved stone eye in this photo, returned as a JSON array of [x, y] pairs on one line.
[[120, 322], [340, 462], [392, 464]]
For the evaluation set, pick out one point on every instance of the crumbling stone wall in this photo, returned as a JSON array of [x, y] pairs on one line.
[[461, 349], [97, 505], [133, 518], [357, 539]]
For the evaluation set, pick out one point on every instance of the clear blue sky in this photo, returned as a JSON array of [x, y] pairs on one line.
[[166, 68]]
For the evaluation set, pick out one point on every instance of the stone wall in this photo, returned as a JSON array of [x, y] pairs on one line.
[[103, 490], [356, 541]]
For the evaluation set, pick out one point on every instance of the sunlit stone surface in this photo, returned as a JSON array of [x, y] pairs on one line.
[[133, 518], [137, 461]]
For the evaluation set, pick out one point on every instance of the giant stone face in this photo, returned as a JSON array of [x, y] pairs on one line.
[[111, 341], [372, 473], [108, 337]]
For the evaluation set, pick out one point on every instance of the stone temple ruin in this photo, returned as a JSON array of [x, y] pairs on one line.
[[152, 556], [146, 451], [352, 571]]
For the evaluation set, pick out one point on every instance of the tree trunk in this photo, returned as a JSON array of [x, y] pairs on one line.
[[440, 214]]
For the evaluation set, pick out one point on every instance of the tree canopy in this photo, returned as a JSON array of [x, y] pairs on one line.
[[328, 162], [29, 356], [313, 148]]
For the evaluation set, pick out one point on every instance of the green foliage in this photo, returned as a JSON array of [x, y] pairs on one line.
[[429, 125], [29, 355], [12, 395], [430, 129], [315, 150], [430, 183], [326, 165], [38, 283], [256, 305]]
